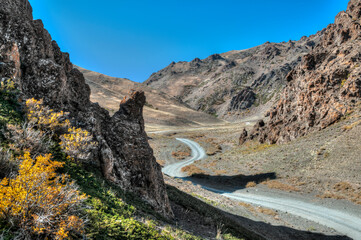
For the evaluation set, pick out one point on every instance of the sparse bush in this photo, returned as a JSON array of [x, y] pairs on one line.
[[28, 138], [351, 126], [192, 170], [38, 202], [161, 162], [8, 90], [180, 155], [279, 185], [251, 184], [45, 118], [7, 164], [252, 147], [77, 143], [9, 107], [343, 82]]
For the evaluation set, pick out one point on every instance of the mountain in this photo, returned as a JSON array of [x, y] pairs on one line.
[[231, 84], [160, 109], [35, 63], [324, 88]]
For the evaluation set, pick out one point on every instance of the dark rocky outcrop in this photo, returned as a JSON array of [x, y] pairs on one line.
[[41, 70], [323, 87], [218, 84], [243, 100]]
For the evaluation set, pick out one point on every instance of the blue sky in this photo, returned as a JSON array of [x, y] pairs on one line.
[[134, 38]]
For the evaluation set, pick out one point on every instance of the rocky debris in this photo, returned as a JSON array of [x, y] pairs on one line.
[[42, 71], [228, 84], [323, 87]]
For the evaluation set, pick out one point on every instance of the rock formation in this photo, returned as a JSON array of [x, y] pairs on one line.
[[42, 71], [228, 84], [243, 100], [323, 87]]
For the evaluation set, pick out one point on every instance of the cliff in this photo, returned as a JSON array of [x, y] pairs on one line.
[[35, 62], [323, 88]]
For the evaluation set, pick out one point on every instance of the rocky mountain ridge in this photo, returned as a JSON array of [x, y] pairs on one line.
[[323, 88], [34, 61], [229, 84]]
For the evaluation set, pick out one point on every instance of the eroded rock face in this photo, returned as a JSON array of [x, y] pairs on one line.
[[243, 100], [36, 63], [230, 83], [323, 87]]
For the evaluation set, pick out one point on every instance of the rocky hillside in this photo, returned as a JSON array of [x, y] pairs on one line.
[[30, 57], [323, 88], [229, 84], [160, 109]]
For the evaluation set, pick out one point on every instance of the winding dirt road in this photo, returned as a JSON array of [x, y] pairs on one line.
[[345, 222], [198, 153]]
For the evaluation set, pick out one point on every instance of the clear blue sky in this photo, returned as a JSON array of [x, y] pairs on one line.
[[134, 38]]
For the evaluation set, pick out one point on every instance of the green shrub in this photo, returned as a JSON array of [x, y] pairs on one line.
[[10, 109]]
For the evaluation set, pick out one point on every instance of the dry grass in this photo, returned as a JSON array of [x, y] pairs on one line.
[[279, 185], [212, 147], [161, 162], [213, 150], [332, 195], [343, 190], [181, 155], [351, 126], [251, 147], [267, 211], [357, 200], [297, 182], [220, 172], [192, 170], [343, 187], [246, 205], [212, 164], [251, 184], [262, 210]]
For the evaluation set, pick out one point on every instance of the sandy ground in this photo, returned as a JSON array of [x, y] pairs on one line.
[[296, 167], [345, 220]]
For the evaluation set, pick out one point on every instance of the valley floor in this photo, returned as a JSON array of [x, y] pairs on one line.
[[321, 168]]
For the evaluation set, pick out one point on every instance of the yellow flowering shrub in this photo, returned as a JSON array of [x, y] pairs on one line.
[[77, 143], [7, 85], [39, 201], [44, 117]]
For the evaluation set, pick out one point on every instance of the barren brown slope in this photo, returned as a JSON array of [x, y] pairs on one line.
[[231, 83], [160, 110]]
